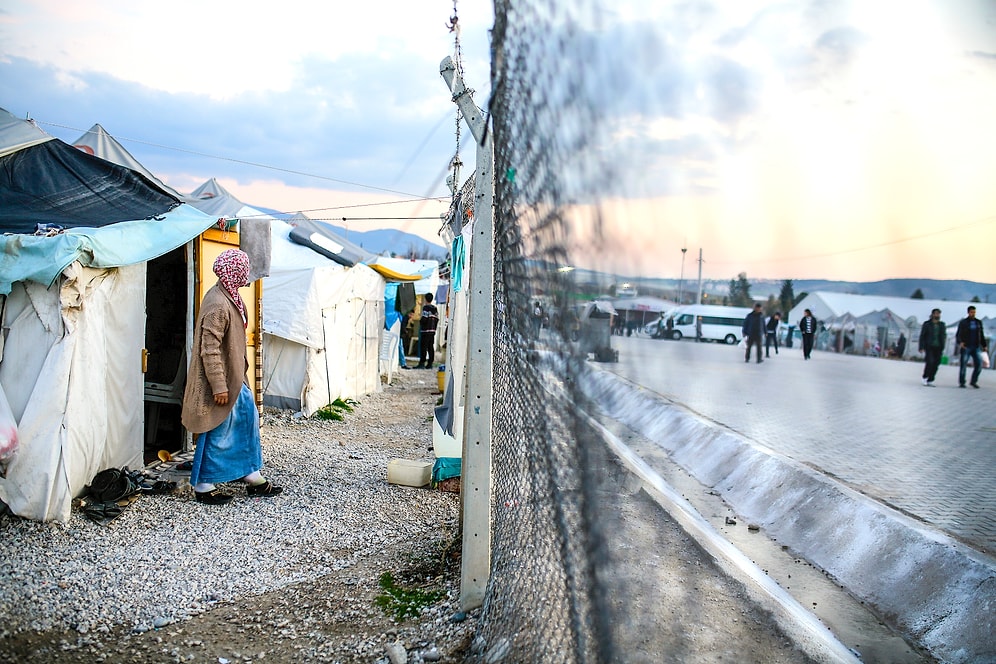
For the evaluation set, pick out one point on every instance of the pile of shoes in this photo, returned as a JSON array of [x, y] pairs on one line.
[[112, 489]]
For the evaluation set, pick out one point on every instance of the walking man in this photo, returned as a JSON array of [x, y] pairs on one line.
[[427, 333], [807, 325], [771, 333], [753, 331], [933, 335], [972, 341]]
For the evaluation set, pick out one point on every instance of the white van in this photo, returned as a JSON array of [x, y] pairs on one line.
[[718, 323]]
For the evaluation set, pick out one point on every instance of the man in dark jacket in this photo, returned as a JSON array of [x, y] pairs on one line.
[[933, 335], [972, 341], [807, 325], [427, 333], [753, 331]]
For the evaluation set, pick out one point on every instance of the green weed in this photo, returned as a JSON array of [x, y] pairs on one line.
[[336, 409], [403, 602]]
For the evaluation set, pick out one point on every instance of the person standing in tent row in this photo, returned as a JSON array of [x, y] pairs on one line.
[[427, 333], [807, 326], [933, 336], [218, 406]]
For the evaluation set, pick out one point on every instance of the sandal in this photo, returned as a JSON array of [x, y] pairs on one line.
[[266, 489]]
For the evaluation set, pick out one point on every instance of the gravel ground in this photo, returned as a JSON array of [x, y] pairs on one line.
[[295, 578], [281, 579]]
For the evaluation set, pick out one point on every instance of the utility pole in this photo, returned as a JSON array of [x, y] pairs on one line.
[[681, 279], [475, 476], [698, 300]]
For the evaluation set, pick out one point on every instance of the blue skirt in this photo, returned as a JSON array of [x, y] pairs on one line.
[[231, 450]]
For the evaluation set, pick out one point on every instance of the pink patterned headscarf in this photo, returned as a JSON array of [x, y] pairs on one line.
[[232, 268]]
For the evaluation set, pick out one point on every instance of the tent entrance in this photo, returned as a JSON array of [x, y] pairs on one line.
[[165, 359]]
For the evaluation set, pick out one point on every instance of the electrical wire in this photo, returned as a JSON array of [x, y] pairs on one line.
[[241, 161]]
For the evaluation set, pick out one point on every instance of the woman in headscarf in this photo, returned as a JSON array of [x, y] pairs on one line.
[[218, 406]]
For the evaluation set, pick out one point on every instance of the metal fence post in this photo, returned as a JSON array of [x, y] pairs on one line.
[[475, 482]]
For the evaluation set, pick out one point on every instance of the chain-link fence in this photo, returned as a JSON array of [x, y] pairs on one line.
[[545, 599]]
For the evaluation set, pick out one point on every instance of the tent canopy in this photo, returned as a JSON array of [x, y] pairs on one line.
[[113, 216], [320, 238], [99, 143]]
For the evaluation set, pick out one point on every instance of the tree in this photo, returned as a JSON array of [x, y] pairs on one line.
[[975, 299], [740, 291], [787, 296], [917, 295]]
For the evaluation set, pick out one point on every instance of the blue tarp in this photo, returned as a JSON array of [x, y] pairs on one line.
[[42, 259]]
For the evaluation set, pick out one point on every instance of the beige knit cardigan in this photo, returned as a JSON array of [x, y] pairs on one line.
[[218, 363]]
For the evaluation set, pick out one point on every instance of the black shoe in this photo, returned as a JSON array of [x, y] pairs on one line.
[[212, 497], [759, 361], [420, 366], [266, 489], [975, 385], [961, 384]]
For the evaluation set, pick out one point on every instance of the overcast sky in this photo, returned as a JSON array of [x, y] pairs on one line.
[[803, 138]]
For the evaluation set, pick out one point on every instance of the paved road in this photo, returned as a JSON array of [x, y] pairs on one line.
[[870, 423]]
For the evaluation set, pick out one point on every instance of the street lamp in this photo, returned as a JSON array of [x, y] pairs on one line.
[[681, 280]]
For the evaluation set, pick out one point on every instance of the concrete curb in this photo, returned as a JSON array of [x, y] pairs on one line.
[[937, 591]]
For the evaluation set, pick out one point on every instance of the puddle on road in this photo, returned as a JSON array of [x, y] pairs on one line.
[[853, 623]]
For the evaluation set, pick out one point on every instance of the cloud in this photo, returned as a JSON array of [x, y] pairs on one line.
[[344, 120]]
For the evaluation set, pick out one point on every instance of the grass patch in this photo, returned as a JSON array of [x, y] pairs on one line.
[[336, 410], [403, 602]]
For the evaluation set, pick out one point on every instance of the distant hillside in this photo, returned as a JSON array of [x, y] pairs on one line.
[[955, 289], [391, 242]]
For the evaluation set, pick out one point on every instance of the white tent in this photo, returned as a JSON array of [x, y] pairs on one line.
[[101, 144], [827, 305], [322, 327], [74, 312]]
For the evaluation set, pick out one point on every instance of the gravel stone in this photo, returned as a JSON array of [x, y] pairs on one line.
[[287, 578]]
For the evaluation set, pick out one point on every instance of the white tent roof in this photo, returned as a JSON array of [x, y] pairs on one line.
[[826, 305], [101, 144], [16, 134]]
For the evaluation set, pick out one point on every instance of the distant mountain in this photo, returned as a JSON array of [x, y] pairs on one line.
[[381, 242], [954, 289], [391, 242]]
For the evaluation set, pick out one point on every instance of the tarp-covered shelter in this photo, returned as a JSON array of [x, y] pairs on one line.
[[71, 364], [322, 325]]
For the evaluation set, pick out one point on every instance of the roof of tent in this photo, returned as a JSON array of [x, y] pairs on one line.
[[112, 215], [642, 303], [49, 182], [425, 273], [215, 200], [826, 305], [326, 242], [16, 134], [99, 143]]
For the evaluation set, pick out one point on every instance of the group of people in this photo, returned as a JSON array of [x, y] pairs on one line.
[[756, 328], [970, 340]]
